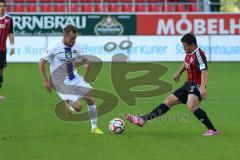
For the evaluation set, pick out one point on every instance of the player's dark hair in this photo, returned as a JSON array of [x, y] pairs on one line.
[[189, 39], [70, 29], [2, 1]]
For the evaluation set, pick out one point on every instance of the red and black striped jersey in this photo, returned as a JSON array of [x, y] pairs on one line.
[[195, 62], [6, 27]]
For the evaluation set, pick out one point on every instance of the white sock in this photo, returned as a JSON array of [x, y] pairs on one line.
[[92, 112]]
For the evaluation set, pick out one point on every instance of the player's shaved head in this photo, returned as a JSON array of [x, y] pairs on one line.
[[189, 39], [69, 35], [69, 29]]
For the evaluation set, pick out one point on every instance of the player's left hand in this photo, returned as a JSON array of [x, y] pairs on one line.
[[48, 86], [203, 92], [12, 51]]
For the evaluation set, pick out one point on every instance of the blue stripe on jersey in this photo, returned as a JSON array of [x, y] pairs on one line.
[[68, 55]]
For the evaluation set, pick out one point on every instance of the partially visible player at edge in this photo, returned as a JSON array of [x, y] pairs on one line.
[[65, 54], [6, 30], [191, 93]]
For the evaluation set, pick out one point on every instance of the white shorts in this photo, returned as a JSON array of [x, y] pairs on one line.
[[74, 89]]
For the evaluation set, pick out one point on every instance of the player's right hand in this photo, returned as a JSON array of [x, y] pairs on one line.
[[47, 85], [12, 51], [176, 77]]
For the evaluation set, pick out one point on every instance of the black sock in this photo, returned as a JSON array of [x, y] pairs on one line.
[[158, 111], [202, 116], [1, 81]]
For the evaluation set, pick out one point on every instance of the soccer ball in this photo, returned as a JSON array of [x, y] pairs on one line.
[[116, 126]]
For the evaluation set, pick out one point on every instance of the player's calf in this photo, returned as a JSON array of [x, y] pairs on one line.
[[74, 107], [202, 116], [77, 107]]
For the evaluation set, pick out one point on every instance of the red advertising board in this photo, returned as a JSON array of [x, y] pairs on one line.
[[178, 24]]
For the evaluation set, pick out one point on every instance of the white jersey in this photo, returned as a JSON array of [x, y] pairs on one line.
[[67, 82], [59, 54]]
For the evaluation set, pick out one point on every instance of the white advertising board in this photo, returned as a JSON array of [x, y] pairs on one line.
[[27, 49], [159, 48], [225, 48], [144, 48]]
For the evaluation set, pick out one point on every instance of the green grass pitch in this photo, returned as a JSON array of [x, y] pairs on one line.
[[30, 130]]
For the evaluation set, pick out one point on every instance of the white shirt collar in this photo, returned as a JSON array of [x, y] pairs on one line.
[[3, 17]]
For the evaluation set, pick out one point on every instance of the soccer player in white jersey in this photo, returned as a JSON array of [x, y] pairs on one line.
[[69, 85]]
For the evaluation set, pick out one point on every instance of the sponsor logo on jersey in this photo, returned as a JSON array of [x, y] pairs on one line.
[[68, 55], [2, 25]]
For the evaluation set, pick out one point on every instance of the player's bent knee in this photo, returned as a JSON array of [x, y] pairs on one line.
[[191, 107], [77, 108], [171, 100], [168, 103], [89, 100]]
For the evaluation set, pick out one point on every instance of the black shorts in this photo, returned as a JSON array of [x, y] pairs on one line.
[[188, 88], [3, 59]]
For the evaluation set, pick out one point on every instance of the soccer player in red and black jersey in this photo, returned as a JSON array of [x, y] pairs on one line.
[[191, 93], [6, 30]]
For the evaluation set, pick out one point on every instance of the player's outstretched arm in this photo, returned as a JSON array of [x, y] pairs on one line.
[[177, 75], [44, 75]]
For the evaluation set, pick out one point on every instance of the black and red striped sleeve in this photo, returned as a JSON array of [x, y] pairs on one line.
[[202, 60]]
